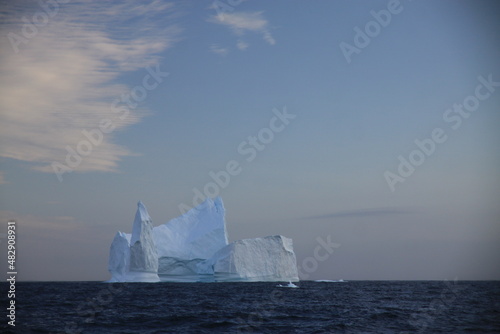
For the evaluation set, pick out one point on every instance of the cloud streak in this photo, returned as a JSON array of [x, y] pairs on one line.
[[375, 212], [241, 45], [219, 50], [65, 79], [242, 22]]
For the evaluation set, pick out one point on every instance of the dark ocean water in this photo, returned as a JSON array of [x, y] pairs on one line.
[[349, 307]]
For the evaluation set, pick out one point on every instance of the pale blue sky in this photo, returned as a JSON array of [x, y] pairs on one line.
[[322, 175]]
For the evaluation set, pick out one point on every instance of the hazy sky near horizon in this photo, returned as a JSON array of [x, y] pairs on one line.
[[334, 119]]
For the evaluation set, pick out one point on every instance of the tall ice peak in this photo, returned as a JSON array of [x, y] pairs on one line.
[[142, 211], [141, 217]]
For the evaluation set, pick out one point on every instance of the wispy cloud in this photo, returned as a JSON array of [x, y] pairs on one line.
[[242, 22], [63, 80], [241, 45], [374, 212], [219, 50], [268, 38]]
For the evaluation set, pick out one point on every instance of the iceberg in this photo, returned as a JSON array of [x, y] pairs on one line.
[[194, 247]]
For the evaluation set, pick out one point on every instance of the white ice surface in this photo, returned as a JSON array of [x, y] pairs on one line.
[[197, 234], [260, 259], [119, 257]]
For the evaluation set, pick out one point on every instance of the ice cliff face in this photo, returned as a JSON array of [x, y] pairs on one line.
[[194, 247], [119, 257], [197, 234], [260, 259]]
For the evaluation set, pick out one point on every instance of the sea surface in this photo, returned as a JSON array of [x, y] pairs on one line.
[[314, 307]]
